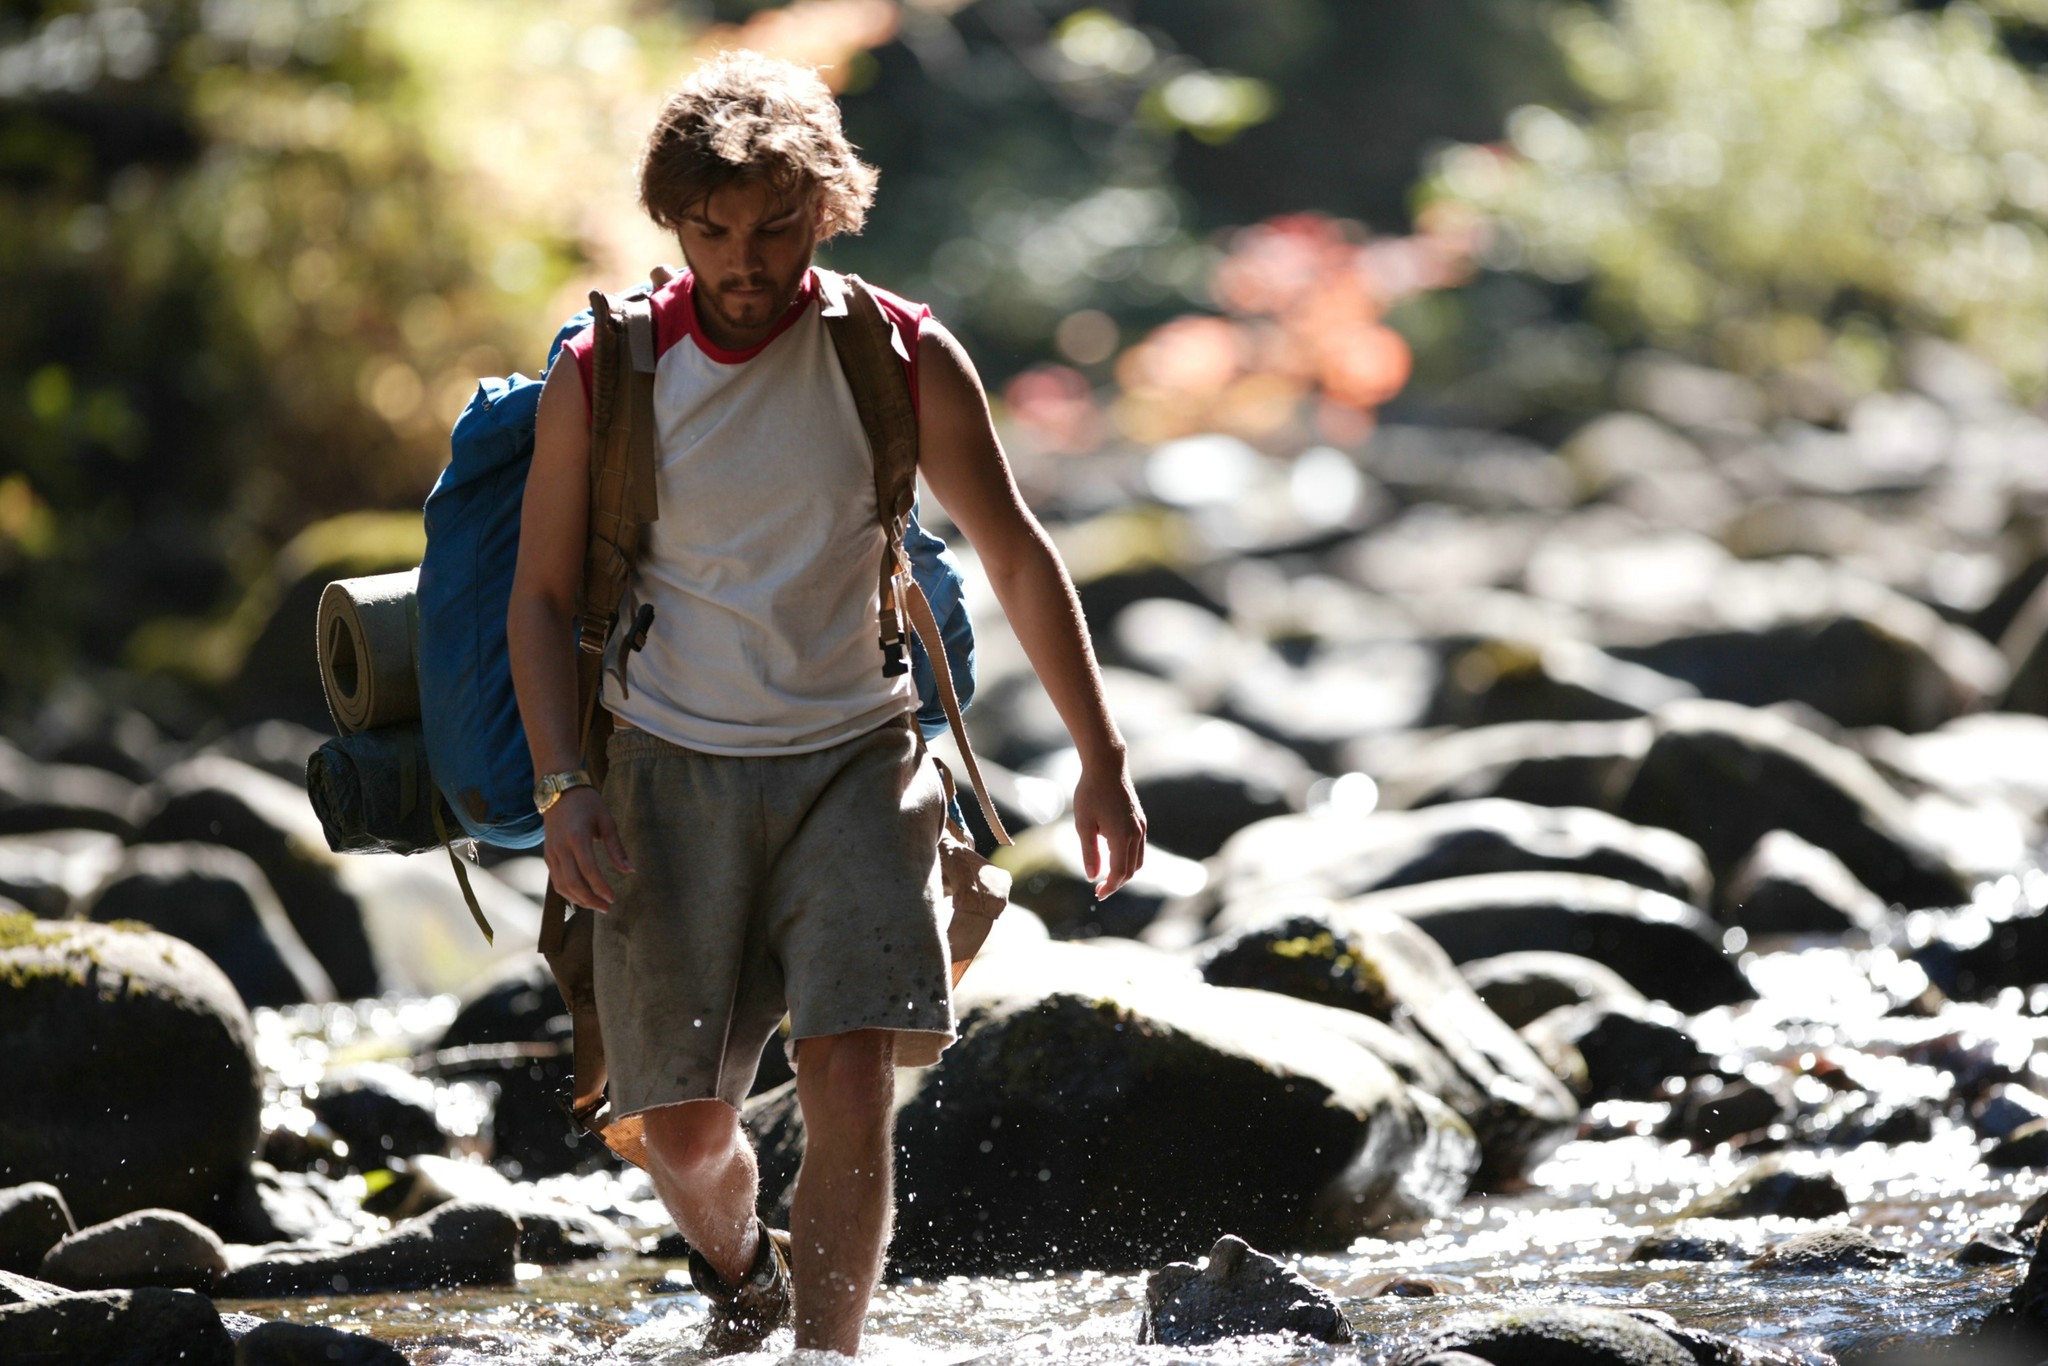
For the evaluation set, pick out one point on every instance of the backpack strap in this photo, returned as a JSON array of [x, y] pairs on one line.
[[622, 502], [870, 354]]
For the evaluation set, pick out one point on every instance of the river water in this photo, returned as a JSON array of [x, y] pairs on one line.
[[1566, 1238]]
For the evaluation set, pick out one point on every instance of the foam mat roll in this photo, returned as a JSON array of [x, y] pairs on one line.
[[369, 641]]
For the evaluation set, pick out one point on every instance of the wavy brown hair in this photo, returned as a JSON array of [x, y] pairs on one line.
[[745, 117]]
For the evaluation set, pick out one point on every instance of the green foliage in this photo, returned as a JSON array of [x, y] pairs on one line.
[[1774, 184]]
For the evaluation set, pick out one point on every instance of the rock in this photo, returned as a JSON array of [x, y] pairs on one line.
[[1887, 1120], [456, 1244], [272, 1206], [1787, 886], [1964, 962], [2003, 1109], [46, 872], [307, 1344], [1883, 661], [1664, 948], [1682, 1245], [520, 1003], [135, 1056], [1047, 878], [551, 1231], [1990, 1247], [116, 1328], [157, 1247], [1713, 1111], [1337, 695], [2000, 756], [1338, 855], [1500, 682], [1544, 763], [19, 1289], [1127, 1109], [218, 800], [1238, 1293], [1627, 1052], [36, 797], [517, 1003], [1772, 1187], [33, 1217], [217, 900], [1013, 723], [2026, 1146], [1726, 776], [1842, 1248], [381, 1112], [1553, 1336], [1383, 966], [1521, 987]]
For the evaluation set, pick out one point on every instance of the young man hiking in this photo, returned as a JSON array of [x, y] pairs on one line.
[[766, 838]]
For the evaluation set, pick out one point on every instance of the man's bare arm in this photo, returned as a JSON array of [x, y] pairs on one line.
[[540, 632], [964, 465]]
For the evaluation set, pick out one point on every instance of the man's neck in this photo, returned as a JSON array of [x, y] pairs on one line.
[[722, 334]]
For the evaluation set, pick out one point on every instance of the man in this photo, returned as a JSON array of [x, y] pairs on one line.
[[767, 835]]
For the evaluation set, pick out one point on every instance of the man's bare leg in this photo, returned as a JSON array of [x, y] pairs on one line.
[[841, 1212], [703, 1170]]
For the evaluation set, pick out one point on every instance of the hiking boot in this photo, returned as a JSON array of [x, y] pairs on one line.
[[743, 1316]]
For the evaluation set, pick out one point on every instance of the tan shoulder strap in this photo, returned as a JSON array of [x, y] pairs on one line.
[[870, 354]]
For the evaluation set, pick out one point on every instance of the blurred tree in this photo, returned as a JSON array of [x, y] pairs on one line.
[[1783, 186]]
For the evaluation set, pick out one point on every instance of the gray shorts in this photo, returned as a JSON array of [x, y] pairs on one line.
[[801, 883]]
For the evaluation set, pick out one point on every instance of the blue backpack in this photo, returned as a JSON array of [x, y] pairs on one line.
[[476, 746]]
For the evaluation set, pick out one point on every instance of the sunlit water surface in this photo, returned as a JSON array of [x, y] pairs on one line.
[[1565, 1239]]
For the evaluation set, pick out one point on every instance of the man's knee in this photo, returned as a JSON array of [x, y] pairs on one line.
[[692, 1138], [846, 1079]]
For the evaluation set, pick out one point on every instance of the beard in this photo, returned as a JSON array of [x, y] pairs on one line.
[[751, 311]]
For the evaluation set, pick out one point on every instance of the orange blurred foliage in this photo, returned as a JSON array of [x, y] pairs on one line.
[[1056, 406], [826, 34], [1302, 298]]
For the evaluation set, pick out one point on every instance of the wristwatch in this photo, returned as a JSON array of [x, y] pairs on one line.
[[549, 787]]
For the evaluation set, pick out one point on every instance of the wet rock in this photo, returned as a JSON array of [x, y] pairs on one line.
[[1521, 987], [1843, 1248], [1664, 948], [1991, 1247], [1966, 963], [1726, 776], [217, 900], [2005, 1108], [306, 1344], [1337, 695], [35, 797], [134, 1056], [2000, 756], [116, 1327], [157, 1247], [1627, 1052], [1788, 886], [48, 871], [33, 1217], [1772, 1187], [1682, 1245], [1048, 878], [519, 1003], [1102, 1109], [2026, 1146], [1880, 1119], [272, 1206], [1886, 661], [218, 800], [457, 1244], [1713, 1111], [1383, 966], [1500, 682], [381, 1112], [1553, 1336], [551, 1231], [18, 1289], [1239, 1292], [1336, 855], [1544, 763]]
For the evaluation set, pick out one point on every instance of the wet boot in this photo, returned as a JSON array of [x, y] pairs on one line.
[[743, 1316]]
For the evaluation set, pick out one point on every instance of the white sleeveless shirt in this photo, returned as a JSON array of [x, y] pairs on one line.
[[763, 567]]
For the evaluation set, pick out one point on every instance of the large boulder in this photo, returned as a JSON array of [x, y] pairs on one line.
[[148, 1247], [116, 1328], [128, 1064], [217, 900], [1665, 949], [457, 1244], [1544, 763], [36, 796], [33, 1218], [48, 871], [1572, 1335], [219, 800], [1368, 960], [1496, 682], [1338, 855], [1726, 776], [1787, 886], [1104, 1108], [1520, 987]]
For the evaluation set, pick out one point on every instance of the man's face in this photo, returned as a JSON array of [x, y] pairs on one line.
[[749, 246]]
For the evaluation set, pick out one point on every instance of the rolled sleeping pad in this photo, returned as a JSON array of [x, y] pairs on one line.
[[373, 794], [369, 651]]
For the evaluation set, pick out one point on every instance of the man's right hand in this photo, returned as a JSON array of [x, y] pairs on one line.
[[577, 825]]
